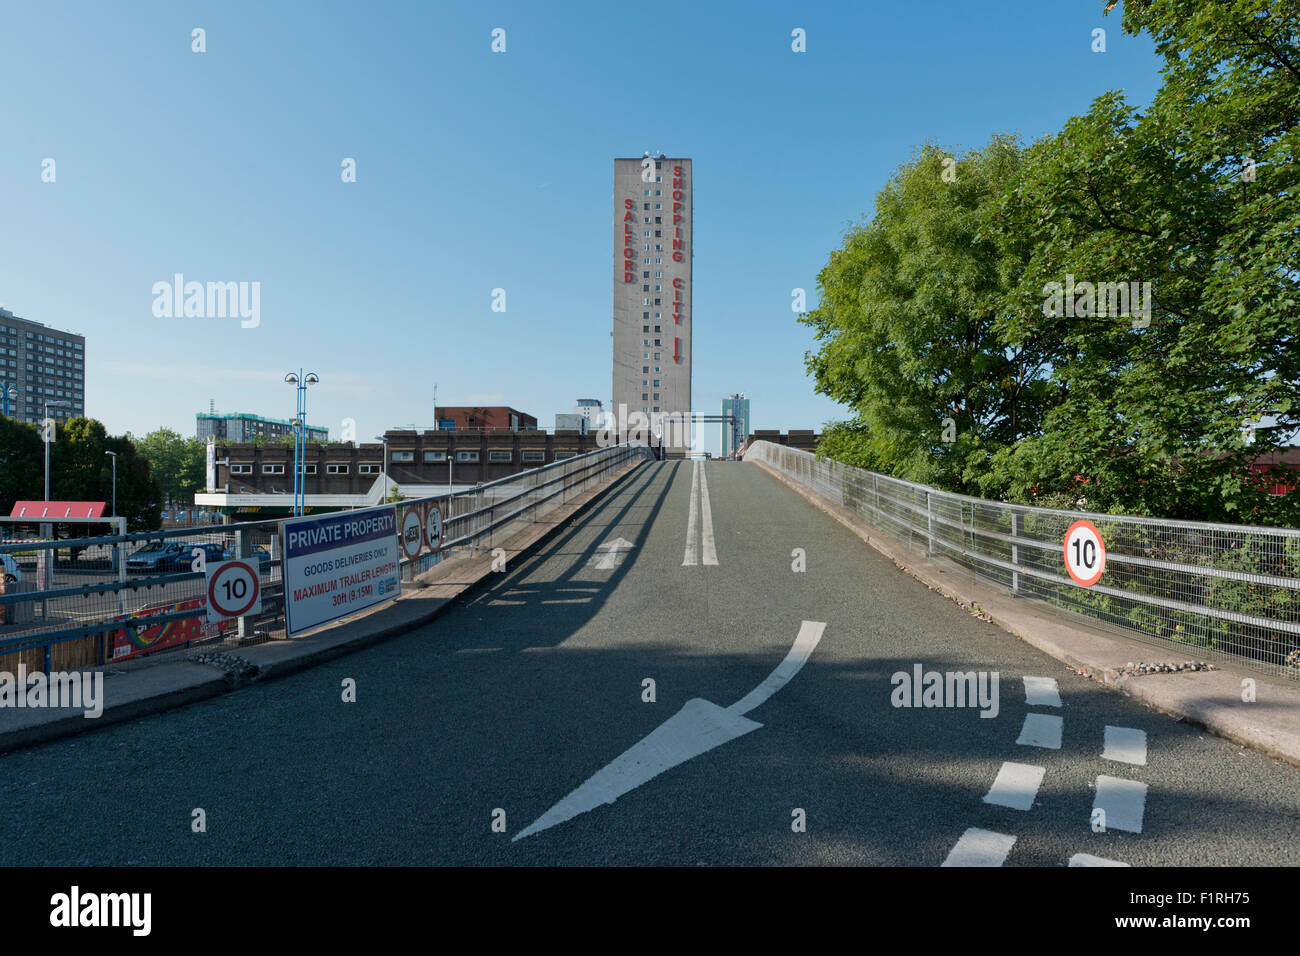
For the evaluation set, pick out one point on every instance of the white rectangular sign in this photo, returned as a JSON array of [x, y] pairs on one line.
[[339, 564]]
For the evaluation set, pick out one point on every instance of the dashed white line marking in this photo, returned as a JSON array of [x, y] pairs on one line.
[[692, 556], [1041, 730], [710, 555], [1016, 786], [980, 848], [1042, 692], [1123, 802], [1125, 744], [1087, 859]]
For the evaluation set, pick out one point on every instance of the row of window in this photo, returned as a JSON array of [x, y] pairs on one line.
[[532, 455]]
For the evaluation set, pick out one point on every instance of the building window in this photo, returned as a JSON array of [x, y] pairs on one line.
[[368, 469], [645, 205], [435, 456], [533, 455], [645, 369], [402, 456], [241, 469], [501, 455], [309, 469], [467, 456], [273, 469], [645, 397], [336, 469]]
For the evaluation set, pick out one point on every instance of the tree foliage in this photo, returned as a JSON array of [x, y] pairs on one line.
[[939, 307]]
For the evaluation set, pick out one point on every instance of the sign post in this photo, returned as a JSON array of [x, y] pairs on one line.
[[1085, 553]]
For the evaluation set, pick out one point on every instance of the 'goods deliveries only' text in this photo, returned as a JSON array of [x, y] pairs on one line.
[[344, 581]]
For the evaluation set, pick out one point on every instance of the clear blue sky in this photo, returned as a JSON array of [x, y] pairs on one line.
[[475, 171]]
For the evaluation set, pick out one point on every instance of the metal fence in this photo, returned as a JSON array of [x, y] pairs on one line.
[[81, 602], [1227, 590]]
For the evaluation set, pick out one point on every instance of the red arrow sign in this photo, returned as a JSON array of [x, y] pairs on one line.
[[677, 355]]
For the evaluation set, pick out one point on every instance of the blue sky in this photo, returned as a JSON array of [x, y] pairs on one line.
[[477, 170]]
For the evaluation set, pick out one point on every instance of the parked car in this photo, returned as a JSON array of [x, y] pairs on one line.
[[12, 572], [184, 561], [156, 556]]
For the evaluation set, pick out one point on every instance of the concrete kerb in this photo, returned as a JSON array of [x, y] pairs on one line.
[[176, 683], [1209, 699]]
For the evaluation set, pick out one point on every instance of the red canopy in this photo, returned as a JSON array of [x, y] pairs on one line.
[[58, 510]]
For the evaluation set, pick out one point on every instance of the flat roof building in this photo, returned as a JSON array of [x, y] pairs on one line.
[[652, 311], [41, 364], [239, 427]]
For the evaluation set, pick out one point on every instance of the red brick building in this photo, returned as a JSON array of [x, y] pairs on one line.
[[483, 418]]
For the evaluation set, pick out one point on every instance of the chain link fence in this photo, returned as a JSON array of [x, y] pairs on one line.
[[1227, 590]]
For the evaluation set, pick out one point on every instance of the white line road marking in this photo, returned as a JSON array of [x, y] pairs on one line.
[[1016, 786], [980, 848], [695, 729], [706, 516], [692, 556], [810, 633], [1123, 802], [610, 558], [1041, 730], [1126, 745], [1042, 692], [1087, 859]]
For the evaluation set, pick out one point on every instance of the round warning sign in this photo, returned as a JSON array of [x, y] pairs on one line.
[[233, 589], [411, 532], [433, 528], [1085, 553]]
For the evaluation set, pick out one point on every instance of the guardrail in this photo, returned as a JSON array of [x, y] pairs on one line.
[[98, 608], [1227, 590]]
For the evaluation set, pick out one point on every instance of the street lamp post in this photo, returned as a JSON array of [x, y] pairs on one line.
[[300, 382], [114, 454], [384, 439], [45, 426], [7, 392]]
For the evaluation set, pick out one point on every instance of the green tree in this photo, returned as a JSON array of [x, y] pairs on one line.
[[21, 463], [908, 323], [179, 464], [81, 471]]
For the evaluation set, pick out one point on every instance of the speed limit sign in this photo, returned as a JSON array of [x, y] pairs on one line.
[[1085, 553], [234, 590]]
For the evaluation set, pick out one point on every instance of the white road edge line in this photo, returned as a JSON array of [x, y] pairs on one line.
[[692, 556], [1041, 730], [1125, 744], [706, 514], [980, 848], [1087, 859], [1122, 801], [810, 633], [1042, 692]]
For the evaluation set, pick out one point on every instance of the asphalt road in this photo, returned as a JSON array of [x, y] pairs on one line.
[[517, 697]]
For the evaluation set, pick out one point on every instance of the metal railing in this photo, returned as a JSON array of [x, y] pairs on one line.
[[1228, 590], [95, 600]]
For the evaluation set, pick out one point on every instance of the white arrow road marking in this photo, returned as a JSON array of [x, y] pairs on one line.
[[1126, 745], [980, 848], [609, 560], [1123, 802], [692, 556], [1042, 692], [1087, 859], [1016, 786], [695, 729]]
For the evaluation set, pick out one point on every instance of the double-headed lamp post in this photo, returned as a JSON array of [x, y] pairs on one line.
[[300, 382], [45, 426], [8, 392], [114, 454]]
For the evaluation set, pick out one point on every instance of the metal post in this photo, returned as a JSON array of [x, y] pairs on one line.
[[119, 555], [929, 520], [239, 553], [1017, 527]]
